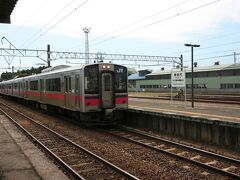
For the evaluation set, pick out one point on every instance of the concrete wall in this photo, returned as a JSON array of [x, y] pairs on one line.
[[219, 133]]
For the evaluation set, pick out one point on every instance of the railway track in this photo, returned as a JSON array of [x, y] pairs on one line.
[[212, 162], [77, 161]]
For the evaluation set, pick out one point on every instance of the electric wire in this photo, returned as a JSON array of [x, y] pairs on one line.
[[42, 34], [136, 22], [57, 14], [156, 22]]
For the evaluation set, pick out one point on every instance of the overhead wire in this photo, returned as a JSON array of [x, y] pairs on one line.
[[159, 21], [57, 14], [138, 21], [42, 34]]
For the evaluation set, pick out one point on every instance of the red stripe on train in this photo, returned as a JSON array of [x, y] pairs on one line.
[[32, 93], [54, 96], [121, 100], [92, 102]]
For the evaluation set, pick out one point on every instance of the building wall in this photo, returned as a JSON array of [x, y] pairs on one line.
[[201, 84]]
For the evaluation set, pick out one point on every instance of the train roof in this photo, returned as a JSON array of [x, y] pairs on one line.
[[57, 69], [50, 70], [201, 69]]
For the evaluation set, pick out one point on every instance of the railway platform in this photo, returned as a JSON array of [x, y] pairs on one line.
[[208, 123], [211, 111], [20, 159]]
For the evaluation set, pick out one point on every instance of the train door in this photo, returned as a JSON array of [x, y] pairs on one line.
[[19, 89], [67, 91], [77, 91], [41, 89], [107, 90], [26, 92]]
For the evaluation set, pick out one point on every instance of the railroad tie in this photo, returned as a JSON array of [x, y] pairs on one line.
[[141, 140], [205, 173], [211, 162], [159, 146], [170, 149], [80, 165], [186, 167], [195, 157], [229, 168], [127, 135], [149, 143], [88, 170], [182, 153]]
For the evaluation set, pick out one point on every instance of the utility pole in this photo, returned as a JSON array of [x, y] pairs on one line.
[[181, 61], [234, 56], [48, 55], [86, 31], [192, 46], [12, 72]]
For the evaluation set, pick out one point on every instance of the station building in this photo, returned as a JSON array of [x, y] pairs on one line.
[[216, 78]]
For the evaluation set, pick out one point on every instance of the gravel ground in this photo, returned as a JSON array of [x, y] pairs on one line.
[[139, 161]]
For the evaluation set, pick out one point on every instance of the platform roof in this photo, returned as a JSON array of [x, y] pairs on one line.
[[6, 8]]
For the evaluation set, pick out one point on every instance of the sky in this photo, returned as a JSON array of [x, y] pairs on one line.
[[146, 27]]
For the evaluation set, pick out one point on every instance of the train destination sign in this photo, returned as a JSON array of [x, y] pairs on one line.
[[178, 79]]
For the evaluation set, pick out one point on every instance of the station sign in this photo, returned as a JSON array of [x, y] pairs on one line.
[[178, 79]]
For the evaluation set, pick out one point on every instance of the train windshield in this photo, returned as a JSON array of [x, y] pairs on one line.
[[120, 78], [91, 79]]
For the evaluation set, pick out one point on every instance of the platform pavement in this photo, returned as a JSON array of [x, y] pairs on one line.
[[210, 111], [22, 160]]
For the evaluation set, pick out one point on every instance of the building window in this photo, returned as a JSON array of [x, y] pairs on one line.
[[227, 73], [230, 86], [223, 86], [237, 85]]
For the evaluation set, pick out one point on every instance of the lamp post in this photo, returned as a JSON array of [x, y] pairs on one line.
[[192, 45]]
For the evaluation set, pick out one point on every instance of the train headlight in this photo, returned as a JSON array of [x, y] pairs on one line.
[[104, 66], [108, 67]]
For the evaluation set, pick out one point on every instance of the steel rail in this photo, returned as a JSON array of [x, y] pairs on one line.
[[67, 168], [203, 165], [75, 174]]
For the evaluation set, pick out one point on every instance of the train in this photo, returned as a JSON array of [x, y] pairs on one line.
[[86, 92]]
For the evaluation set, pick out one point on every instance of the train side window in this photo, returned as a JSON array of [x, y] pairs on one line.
[[34, 85], [53, 84]]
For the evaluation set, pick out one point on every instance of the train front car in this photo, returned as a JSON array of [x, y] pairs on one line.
[[104, 87]]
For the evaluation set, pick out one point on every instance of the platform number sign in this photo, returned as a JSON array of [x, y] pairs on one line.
[[178, 79]]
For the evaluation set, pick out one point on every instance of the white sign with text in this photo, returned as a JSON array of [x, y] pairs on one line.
[[178, 79]]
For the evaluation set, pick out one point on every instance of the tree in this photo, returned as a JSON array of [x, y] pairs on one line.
[[8, 75]]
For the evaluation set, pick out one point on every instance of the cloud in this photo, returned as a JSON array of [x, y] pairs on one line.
[[108, 16]]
